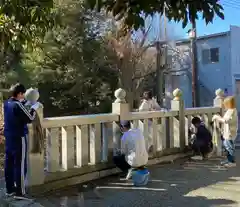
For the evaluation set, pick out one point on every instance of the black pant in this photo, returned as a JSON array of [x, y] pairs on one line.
[[121, 162], [202, 147]]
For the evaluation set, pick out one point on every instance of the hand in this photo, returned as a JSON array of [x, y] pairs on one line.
[[35, 106], [215, 117]]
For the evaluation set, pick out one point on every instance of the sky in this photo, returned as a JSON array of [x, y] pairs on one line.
[[232, 17], [176, 32]]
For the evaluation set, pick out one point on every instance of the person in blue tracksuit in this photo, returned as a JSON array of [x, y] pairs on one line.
[[16, 118]]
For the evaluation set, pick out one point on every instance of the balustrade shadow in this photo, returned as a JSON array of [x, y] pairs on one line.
[[189, 183]]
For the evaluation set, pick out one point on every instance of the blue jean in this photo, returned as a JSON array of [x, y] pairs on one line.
[[230, 148]]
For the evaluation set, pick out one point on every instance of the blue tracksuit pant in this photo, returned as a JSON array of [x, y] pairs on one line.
[[16, 166]]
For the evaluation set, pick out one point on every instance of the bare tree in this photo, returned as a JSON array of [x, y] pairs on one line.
[[133, 62], [180, 65]]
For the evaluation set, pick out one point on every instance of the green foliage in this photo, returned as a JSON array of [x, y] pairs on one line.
[[24, 22], [134, 12], [72, 69]]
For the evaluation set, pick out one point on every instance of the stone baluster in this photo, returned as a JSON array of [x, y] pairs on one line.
[[35, 173], [178, 104], [218, 102], [121, 108]]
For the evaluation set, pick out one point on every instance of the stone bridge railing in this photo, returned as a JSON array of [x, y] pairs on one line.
[[84, 144]]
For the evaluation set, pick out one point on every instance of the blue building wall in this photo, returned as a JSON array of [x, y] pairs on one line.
[[216, 75], [211, 76]]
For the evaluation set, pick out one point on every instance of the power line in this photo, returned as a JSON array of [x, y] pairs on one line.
[[232, 1], [231, 4]]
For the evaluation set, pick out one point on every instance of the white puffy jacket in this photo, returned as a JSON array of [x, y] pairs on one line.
[[134, 148], [149, 105]]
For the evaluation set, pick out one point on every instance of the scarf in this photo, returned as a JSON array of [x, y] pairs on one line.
[[38, 136]]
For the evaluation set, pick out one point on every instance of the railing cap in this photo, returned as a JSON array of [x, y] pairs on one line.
[[120, 95], [177, 94], [219, 93]]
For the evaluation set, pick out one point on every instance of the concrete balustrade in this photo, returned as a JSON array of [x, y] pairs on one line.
[[84, 145]]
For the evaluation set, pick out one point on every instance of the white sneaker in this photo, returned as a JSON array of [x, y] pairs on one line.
[[230, 164], [22, 197], [9, 194]]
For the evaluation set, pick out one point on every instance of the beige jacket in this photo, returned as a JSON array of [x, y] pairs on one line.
[[149, 105], [230, 124]]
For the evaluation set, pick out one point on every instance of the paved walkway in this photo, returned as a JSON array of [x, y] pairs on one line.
[[189, 183]]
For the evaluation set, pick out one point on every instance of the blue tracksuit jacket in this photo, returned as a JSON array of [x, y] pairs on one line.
[[16, 118]]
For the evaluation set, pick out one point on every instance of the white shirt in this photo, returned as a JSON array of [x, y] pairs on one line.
[[134, 148], [149, 105], [230, 124]]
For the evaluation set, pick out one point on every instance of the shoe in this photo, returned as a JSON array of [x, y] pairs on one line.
[[230, 164], [224, 162], [22, 197], [10, 194]]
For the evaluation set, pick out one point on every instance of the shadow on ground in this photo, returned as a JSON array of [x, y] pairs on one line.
[[189, 183]]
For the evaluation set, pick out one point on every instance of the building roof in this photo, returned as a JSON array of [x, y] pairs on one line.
[[184, 41]]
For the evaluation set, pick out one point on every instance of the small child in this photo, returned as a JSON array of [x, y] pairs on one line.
[[230, 128], [133, 155], [203, 139]]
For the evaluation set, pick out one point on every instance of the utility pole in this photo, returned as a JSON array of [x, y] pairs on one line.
[[162, 50], [165, 55], [159, 73], [195, 92]]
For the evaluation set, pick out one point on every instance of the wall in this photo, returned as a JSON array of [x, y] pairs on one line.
[[235, 54], [182, 79], [215, 75], [211, 76], [235, 60]]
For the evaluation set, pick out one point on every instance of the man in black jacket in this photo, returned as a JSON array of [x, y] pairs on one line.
[[203, 138]]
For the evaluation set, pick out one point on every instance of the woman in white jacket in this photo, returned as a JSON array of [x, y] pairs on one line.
[[230, 128], [149, 104], [133, 153]]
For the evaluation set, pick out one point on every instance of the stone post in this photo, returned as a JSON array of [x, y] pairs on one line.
[[121, 108], [217, 142], [35, 174], [178, 104], [218, 100]]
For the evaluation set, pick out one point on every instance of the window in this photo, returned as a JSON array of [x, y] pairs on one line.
[[210, 55]]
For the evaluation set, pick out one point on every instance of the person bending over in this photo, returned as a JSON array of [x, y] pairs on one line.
[[133, 153], [203, 139]]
